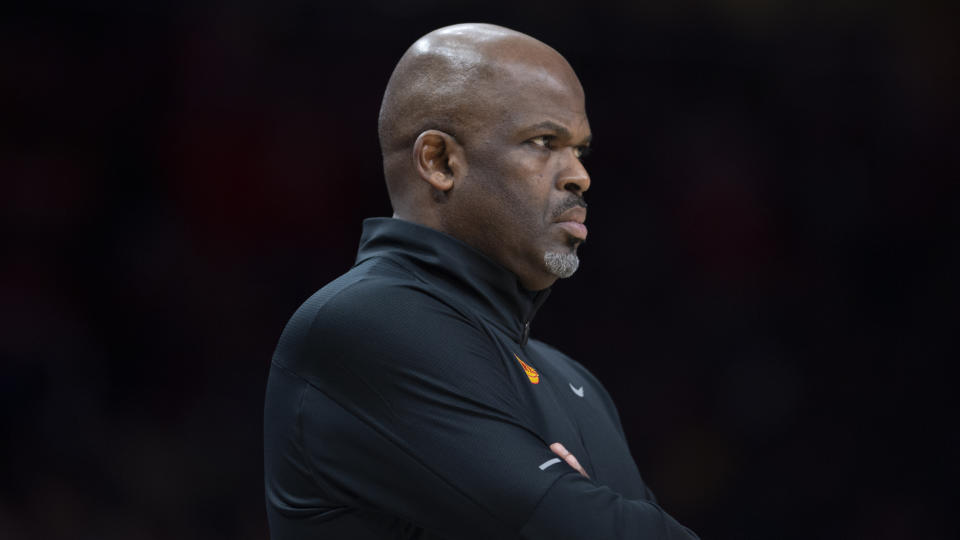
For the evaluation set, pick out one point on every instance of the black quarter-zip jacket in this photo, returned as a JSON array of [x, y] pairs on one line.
[[406, 400]]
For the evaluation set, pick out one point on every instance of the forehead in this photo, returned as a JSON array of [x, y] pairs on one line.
[[531, 93]]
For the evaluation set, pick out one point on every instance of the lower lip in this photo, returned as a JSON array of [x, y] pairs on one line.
[[578, 230]]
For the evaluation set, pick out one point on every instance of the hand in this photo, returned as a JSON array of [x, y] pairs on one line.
[[571, 460]]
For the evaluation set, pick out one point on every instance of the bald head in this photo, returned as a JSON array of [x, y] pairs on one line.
[[482, 130], [455, 80]]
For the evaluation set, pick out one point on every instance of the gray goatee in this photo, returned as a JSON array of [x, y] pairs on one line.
[[562, 265]]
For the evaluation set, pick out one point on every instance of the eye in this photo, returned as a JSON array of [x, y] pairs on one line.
[[542, 140], [581, 151]]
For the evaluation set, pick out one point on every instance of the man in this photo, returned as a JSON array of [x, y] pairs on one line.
[[406, 399]]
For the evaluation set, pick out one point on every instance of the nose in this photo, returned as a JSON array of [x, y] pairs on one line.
[[574, 176]]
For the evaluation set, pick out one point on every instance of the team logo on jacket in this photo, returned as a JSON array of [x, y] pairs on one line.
[[531, 373]]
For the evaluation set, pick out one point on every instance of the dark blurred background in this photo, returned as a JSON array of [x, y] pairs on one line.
[[768, 291]]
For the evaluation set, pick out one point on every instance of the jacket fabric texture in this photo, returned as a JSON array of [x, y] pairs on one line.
[[406, 400]]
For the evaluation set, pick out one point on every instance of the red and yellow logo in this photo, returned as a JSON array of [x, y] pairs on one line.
[[531, 373]]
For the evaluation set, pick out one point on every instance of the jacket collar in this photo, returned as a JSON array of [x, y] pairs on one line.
[[456, 268]]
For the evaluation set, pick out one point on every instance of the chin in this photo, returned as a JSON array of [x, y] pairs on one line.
[[562, 264]]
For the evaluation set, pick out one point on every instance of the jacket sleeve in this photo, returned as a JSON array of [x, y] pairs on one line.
[[406, 410]]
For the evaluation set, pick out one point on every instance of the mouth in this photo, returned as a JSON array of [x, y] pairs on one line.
[[572, 221], [574, 229]]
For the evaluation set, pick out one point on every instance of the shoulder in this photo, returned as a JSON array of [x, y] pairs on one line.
[[376, 310], [394, 340]]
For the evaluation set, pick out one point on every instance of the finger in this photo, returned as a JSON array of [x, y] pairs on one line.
[[559, 450], [571, 460]]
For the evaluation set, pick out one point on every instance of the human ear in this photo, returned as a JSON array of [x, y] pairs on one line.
[[438, 158]]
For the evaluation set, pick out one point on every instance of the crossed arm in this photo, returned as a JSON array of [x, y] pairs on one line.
[[398, 422]]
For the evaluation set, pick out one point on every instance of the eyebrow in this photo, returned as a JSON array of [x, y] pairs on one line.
[[559, 130]]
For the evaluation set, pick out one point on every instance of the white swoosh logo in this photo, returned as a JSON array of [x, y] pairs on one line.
[[577, 391]]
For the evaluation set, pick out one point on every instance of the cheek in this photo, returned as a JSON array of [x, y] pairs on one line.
[[517, 188], [525, 204]]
